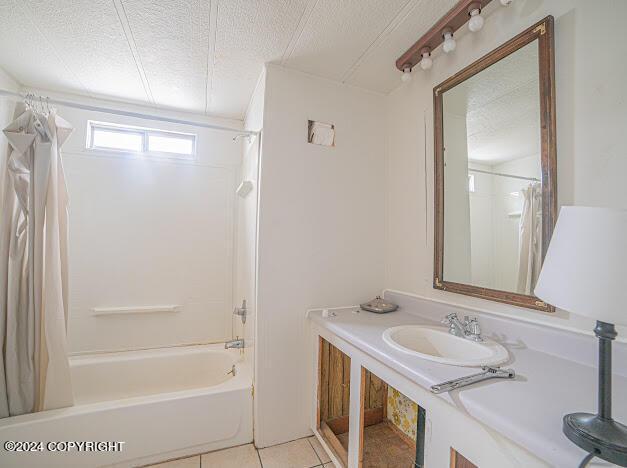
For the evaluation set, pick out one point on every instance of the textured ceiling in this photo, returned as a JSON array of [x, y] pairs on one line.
[[502, 108], [204, 56]]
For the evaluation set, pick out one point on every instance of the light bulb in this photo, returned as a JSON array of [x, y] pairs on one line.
[[406, 76], [476, 20], [426, 62], [506, 2], [449, 43]]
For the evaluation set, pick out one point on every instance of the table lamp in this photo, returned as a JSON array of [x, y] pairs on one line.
[[585, 273]]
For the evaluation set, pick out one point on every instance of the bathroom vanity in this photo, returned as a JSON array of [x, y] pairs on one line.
[[374, 399]]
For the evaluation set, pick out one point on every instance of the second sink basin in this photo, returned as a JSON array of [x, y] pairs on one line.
[[437, 344]]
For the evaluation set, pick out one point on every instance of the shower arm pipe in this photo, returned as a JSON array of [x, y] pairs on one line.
[[137, 115]]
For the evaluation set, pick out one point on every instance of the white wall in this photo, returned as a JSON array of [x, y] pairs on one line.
[[481, 227], [246, 230], [7, 107], [321, 232], [591, 118], [495, 208], [149, 232], [457, 254]]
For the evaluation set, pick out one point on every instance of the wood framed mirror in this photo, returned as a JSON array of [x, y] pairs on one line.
[[496, 171]]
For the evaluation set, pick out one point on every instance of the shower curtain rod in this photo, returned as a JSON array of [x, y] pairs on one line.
[[137, 115], [533, 179]]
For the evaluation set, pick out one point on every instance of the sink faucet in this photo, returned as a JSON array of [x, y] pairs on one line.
[[236, 344], [468, 329]]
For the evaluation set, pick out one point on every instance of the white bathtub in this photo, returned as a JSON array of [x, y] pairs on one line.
[[162, 403]]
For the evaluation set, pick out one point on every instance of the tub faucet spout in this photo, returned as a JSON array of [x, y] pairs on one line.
[[234, 344]]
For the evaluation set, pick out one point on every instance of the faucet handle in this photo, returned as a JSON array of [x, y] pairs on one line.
[[449, 318], [474, 329]]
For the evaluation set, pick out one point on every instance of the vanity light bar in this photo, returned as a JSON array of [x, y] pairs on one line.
[[453, 20], [442, 31]]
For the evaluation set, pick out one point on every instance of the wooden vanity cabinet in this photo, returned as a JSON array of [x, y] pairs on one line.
[[334, 398], [354, 396]]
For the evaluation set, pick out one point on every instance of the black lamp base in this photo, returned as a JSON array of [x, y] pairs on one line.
[[606, 438]]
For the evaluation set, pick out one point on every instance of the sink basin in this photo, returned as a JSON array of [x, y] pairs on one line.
[[438, 345]]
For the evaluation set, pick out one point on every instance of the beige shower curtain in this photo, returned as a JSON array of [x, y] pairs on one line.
[[530, 239], [34, 370]]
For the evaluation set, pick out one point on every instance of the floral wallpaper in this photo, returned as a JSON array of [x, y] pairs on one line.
[[402, 411]]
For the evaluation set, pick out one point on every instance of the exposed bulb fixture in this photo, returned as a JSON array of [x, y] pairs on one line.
[[449, 43], [476, 20], [406, 76], [506, 2], [425, 61]]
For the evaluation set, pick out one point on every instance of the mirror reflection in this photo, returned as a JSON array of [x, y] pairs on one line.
[[492, 176]]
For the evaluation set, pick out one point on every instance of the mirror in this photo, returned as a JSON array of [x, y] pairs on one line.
[[495, 171]]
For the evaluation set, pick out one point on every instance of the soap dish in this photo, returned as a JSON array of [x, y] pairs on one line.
[[379, 306]]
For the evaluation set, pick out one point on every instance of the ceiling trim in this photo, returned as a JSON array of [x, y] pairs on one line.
[[130, 40], [260, 79], [374, 92]]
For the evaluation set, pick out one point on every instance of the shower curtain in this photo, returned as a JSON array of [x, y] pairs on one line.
[[530, 239], [34, 369]]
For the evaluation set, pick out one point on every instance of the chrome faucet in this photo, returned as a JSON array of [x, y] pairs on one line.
[[235, 344], [469, 328]]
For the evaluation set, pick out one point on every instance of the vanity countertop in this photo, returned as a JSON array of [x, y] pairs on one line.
[[527, 410]]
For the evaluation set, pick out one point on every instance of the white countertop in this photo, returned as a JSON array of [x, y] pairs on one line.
[[528, 410]]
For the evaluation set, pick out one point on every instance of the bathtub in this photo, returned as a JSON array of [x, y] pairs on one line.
[[162, 404]]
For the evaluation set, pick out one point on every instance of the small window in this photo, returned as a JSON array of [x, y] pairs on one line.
[[177, 144], [471, 183], [140, 141], [120, 140]]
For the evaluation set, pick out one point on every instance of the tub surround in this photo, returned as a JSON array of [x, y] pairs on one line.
[[188, 405], [119, 376], [555, 372]]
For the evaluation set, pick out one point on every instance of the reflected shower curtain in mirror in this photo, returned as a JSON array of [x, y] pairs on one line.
[[34, 369], [530, 238]]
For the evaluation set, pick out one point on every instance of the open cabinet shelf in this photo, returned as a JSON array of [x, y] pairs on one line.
[[389, 427], [395, 438], [392, 427]]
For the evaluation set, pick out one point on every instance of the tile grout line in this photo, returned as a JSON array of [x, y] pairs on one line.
[[314, 450], [319, 464], [259, 457]]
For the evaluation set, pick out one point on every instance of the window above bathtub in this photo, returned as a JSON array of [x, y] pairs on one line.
[[140, 141]]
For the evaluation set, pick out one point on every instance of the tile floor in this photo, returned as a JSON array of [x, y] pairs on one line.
[[301, 453]]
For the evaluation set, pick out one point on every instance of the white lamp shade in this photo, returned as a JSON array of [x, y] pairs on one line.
[[585, 268]]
